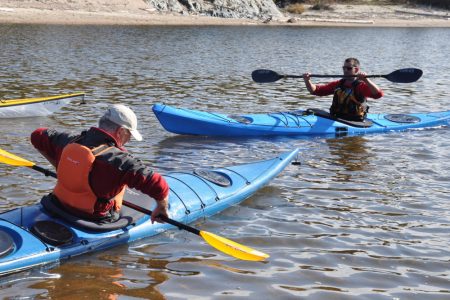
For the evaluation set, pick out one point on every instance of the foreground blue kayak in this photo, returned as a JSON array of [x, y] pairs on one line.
[[292, 123], [43, 233]]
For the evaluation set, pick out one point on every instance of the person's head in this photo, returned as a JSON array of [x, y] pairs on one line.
[[351, 66], [121, 122]]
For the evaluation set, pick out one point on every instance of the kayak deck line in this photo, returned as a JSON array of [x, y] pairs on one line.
[[293, 115], [202, 179], [188, 186], [235, 118], [205, 181], [240, 175], [220, 117], [26, 101]]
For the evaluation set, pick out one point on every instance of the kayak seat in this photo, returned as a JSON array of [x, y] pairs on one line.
[[128, 215], [6, 243], [324, 114]]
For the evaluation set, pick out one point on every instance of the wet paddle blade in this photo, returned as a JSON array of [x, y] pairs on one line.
[[404, 75], [232, 248], [265, 76], [13, 160]]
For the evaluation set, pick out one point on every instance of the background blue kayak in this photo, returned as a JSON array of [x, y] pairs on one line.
[[291, 123], [193, 195]]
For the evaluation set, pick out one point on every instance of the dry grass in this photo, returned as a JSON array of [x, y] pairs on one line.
[[296, 8]]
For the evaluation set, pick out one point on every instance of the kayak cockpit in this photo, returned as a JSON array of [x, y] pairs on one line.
[[6, 243], [128, 217]]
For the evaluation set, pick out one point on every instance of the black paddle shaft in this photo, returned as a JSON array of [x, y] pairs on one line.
[[400, 76], [164, 218], [46, 172]]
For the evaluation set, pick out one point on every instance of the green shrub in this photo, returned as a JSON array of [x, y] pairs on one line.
[[436, 3]]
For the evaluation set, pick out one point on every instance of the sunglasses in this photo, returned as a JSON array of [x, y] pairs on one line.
[[347, 68]]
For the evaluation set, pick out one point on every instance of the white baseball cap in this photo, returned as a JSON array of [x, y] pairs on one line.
[[124, 117]]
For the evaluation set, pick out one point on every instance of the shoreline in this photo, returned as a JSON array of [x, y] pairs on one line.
[[340, 16]]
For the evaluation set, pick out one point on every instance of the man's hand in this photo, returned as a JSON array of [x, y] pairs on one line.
[[309, 85], [362, 76], [161, 209], [374, 89], [306, 76]]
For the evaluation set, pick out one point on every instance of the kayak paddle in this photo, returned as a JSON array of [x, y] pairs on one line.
[[220, 243], [400, 76]]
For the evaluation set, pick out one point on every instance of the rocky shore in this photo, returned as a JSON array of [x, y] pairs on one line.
[[171, 12]]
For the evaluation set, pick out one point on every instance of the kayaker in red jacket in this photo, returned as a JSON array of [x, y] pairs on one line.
[[350, 93], [94, 168]]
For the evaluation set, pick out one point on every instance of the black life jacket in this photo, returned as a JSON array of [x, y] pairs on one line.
[[348, 104]]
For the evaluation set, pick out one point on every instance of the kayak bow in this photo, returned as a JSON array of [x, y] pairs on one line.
[[35, 107]]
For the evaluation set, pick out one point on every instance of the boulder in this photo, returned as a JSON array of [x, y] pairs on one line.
[[247, 9]]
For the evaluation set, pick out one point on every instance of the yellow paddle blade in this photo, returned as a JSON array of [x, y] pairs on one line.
[[232, 248], [13, 160]]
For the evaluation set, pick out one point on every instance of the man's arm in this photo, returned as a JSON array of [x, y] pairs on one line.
[[50, 143], [140, 177], [370, 89]]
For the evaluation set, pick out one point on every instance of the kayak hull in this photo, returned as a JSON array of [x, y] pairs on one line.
[[35, 107], [193, 195], [294, 123]]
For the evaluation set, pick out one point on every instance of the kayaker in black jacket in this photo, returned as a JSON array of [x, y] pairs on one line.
[[94, 168], [350, 93]]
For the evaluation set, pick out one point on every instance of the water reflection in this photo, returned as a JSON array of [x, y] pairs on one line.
[[352, 153], [101, 282]]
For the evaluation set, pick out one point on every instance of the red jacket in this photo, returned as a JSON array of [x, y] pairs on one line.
[[111, 169], [362, 89]]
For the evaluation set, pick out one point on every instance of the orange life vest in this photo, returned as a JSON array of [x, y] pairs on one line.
[[73, 189]]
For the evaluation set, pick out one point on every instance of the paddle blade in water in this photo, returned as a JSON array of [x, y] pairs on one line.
[[404, 75], [13, 160], [264, 76], [232, 248]]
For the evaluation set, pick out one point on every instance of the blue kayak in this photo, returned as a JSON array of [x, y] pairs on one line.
[[310, 122], [45, 233]]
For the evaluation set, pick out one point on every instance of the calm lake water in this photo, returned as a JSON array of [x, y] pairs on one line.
[[364, 217]]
